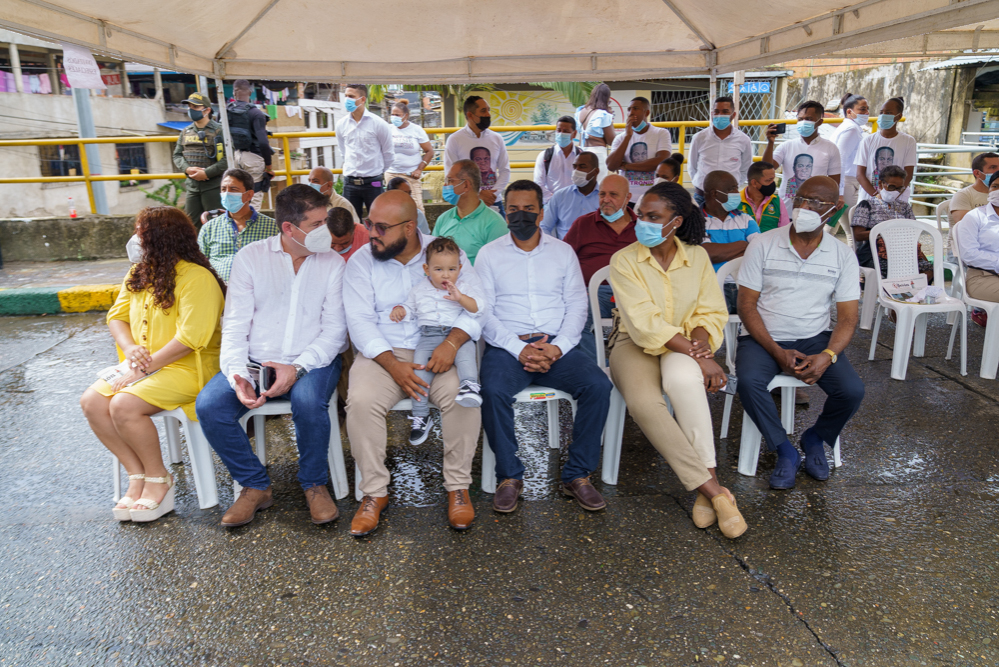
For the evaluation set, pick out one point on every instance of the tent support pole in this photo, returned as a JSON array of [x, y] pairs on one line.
[[230, 157]]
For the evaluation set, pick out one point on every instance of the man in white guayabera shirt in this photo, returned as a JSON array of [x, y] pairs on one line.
[[379, 278], [284, 325]]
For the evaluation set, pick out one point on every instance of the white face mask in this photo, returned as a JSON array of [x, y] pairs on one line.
[[889, 196], [805, 220], [134, 250], [994, 197], [319, 240], [580, 178]]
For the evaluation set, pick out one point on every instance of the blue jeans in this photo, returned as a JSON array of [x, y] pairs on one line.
[[219, 411], [587, 343], [503, 376], [755, 368], [464, 362]]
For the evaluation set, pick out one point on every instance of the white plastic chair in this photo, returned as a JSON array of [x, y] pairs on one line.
[[869, 305], [901, 238], [731, 333], [949, 261], [749, 446], [338, 469], [990, 351], [614, 428], [200, 452]]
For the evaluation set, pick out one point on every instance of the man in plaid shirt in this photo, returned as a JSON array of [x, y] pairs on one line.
[[222, 237]]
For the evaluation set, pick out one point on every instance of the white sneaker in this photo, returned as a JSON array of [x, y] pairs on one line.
[[421, 429], [468, 395]]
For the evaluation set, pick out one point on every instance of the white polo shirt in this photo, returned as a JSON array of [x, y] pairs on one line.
[[796, 294]]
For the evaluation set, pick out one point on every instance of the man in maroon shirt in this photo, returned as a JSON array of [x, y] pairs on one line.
[[598, 235]]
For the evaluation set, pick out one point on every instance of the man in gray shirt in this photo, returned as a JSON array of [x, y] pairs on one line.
[[788, 281]]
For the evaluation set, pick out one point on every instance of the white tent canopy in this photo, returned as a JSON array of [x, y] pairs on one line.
[[462, 41]]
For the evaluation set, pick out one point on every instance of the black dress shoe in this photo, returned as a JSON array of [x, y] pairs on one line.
[[507, 495]]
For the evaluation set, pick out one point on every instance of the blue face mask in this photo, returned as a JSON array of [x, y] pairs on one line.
[[563, 139], [732, 201], [721, 122], [641, 126], [886, 121], [806, 128], [232, 201], [317, 187], [345, 250], [649, 234], [350, 104], [613, 217], [397, 121], [450, 196]]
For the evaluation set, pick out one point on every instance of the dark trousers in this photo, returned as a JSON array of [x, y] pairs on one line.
[[219, 411], [755, 368], [361, 196], [196, 203], [502, 376]]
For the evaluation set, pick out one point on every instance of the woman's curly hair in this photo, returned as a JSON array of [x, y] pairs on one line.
[[167, 236]]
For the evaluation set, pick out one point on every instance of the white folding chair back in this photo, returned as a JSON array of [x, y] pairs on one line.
[[990, 352], [901, 238], [338, 470], [868, 305], [949, 259], [599, 323], [731, 334], [200, 452], [749, 446]]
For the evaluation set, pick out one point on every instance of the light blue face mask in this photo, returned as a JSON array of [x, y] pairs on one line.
[[232, 201], [721, 122], [806, 128], [563, 139], [649, 234], [732, 201], [397, 121], [886, 121], [345, 250], [317, 187], [350, 104], [641, 126], [450, 196], [613, 217]]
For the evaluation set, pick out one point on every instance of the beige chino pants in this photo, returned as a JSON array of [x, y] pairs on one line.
[[982, 285], [372, 394]]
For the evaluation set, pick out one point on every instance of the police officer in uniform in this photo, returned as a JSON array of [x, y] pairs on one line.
[[200, 153]]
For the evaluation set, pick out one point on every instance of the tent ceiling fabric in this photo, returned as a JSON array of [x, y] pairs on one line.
[[461, 41]]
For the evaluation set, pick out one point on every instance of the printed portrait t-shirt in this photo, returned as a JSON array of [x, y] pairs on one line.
[[641, 148], [800, 161], [876, 153]]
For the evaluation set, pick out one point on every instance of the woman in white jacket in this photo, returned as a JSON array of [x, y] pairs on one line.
[[848, 136]]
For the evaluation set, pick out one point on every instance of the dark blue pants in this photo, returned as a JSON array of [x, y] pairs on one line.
[[361, 196], [755, 368], [503, 376], [219, 411]]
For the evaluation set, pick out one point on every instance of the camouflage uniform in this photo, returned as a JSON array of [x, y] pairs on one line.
[[201, 147]]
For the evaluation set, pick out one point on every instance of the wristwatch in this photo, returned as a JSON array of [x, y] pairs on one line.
[[831, 354], [300, 371]]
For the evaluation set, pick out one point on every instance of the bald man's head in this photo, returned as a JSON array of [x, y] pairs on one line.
[[614, 194], [722, 181], [321, 175], [393, 224], [822, 188]]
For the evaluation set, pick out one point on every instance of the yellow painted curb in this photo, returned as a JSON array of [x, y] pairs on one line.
[[88, 297]]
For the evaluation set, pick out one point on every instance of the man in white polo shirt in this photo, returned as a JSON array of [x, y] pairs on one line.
[[788, 279]]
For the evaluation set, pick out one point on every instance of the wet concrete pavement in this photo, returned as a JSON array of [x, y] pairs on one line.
[[890, 562], [59, 274]]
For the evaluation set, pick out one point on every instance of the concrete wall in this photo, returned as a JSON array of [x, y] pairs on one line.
[[35, 116], [927, 94]]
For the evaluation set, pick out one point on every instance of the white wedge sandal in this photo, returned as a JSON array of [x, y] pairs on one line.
[[123, 513], [150, 510]]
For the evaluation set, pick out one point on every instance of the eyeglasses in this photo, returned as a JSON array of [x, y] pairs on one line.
[[814, 204], [380, 228], [894, 188]]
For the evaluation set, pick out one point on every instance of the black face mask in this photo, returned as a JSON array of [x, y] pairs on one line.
[[767, 190], [522, 224], [195, 114], [484, 123]]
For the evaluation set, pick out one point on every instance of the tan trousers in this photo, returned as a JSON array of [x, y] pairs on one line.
[[415, 186], [373, 392], [982, 285], [254, 165], [688, 447], [851, 188], [346, 361]]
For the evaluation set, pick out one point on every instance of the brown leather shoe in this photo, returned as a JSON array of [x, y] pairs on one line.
[[321, 505], [460, 512], [507, 494], [585, 494], [366, 519], [250, 502]]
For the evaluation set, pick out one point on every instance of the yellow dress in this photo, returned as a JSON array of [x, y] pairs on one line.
[[195, 319]]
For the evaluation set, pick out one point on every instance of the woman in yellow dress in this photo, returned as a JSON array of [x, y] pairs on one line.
[[166, 323]]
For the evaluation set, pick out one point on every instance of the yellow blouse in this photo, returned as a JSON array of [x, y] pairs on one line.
[[655, 305], [195, 319]]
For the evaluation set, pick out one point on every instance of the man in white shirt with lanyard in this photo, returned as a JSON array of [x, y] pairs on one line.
[[379, 277], [284, 319], [723, 146], [553, 168], [365, 141], [536, 310], [478, 143]]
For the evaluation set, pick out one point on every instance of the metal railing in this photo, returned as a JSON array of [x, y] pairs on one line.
[[89, 178]]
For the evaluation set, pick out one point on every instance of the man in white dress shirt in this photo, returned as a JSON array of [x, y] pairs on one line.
[[554, 165], [283, 319], [477, 142], [378, 278], [536, 307], [366, 143], [723, 146]]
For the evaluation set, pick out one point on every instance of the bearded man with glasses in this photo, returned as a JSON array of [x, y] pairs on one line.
[[379, 277]]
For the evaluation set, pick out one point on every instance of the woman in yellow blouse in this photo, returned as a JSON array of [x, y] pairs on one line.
[[672, 318], [166, 322]]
